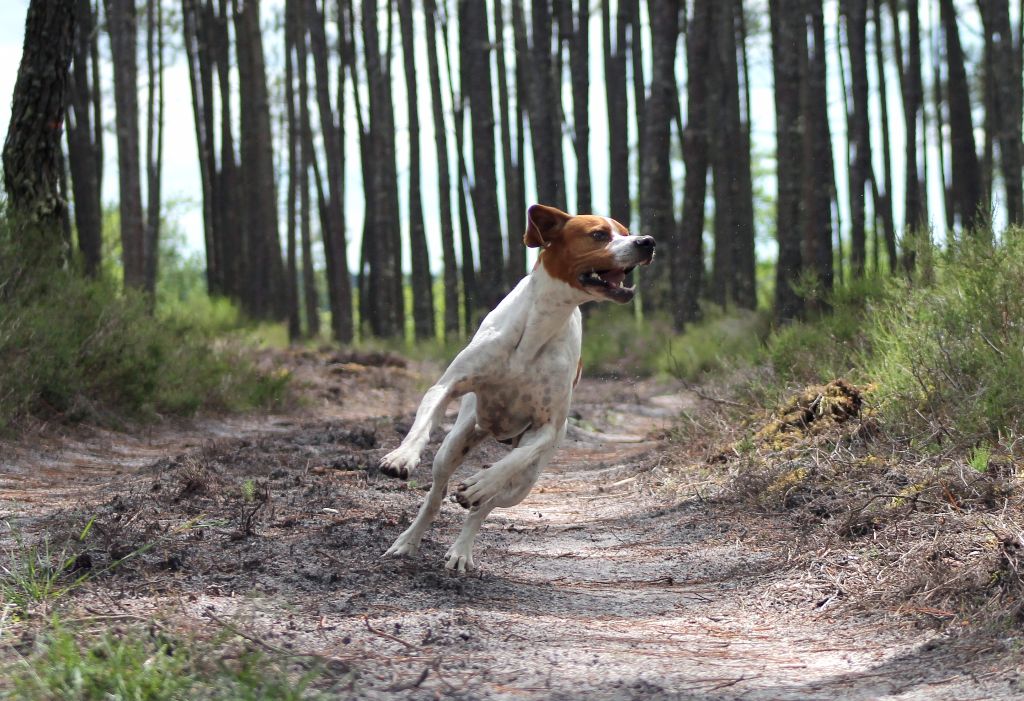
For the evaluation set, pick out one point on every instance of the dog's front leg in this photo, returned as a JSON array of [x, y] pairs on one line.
[[401, 461]]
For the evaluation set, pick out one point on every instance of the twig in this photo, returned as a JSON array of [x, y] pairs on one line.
[[711, 398], [414, 684], [273, 648], [382, 634]]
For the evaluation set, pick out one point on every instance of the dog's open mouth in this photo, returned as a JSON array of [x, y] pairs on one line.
[[608, 279]]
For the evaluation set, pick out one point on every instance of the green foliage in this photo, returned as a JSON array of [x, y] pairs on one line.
[[82, 349], [32, 575], [616, 342], [980, 457], [830, 345], [948, 354], [140, 665]]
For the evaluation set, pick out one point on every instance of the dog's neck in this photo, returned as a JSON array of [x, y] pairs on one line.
[[549, 303]]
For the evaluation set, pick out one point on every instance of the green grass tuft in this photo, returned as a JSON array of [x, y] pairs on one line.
[[148, 665]]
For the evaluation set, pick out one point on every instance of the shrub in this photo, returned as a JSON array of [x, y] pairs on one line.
[[77, 349], [948, 356], [615, 342]]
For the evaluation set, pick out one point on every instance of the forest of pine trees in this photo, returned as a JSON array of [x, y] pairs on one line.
[[514, 92]]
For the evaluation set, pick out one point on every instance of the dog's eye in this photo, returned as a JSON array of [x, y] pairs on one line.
[[600, 235]]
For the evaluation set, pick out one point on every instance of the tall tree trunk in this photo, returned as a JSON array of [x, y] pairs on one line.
[[122, 25], [818, 169], [306, 157], [476, 83], [264, 280], [332, 123], [618, 106], [154, 139], [632, 10], [966, 172], [469, 291], [32, 155], [422, 284], [688, 253], [656, 204], [883, 100], [449, 264], [294, 160], [1006, 71], [85, 147], [579, 68], [915, 219], [545, 129], [789, 50], [387, 306], [515, 264], [733, 271], [855, 13], [744, 282], [197, 58]]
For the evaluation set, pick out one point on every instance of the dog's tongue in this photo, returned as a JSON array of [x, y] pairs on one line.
[[613, 277]]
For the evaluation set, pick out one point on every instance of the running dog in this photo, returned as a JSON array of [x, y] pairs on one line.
[[516, 377]]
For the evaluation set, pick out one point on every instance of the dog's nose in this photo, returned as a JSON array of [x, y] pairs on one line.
[[646, 242]]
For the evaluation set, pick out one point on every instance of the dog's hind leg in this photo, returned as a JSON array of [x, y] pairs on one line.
[[510, 479], [505, 483], [463, 437]]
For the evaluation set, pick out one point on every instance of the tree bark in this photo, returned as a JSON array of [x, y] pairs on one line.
[[732, 278], [449, 263], [966, 172], [883, 100], [154, 140], [264, 276], [476, 83], [515, 210], [819, 169], [579, 69], [855, 13], [332, 131], [122, 26], [545, 130], [294, 159], [85, 147], [688, 254], [656, 205], [422, 283], [789, 50], [387, 306], [32, 156], [618, 110], [1006, 71]]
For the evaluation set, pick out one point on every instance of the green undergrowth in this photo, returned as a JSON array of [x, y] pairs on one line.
[[618, 344], [79, 349], [74, 661], [911, 494]]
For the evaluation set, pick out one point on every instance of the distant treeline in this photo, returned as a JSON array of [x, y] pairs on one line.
[[509, 83]]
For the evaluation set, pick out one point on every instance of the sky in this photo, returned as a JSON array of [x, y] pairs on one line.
[[181, 169]]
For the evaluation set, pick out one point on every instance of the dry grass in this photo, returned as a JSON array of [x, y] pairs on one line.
[[877, 524]]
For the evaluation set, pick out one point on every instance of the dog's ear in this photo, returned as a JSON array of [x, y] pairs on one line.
[[543, 225]]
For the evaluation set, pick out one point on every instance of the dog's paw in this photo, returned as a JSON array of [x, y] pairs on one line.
[[460, 558], [404, 546], [478, 489], [399, 463]]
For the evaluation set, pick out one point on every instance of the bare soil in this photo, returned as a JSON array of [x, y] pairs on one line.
[[617, 578]]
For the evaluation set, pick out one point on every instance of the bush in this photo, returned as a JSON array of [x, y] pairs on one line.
[[616, 343], [831, 345], [948, 357], [81, 349]]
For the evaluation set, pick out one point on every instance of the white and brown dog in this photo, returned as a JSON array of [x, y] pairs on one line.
[[517, 375]]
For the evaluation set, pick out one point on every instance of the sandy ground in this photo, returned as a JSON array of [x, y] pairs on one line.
[[602, 584]]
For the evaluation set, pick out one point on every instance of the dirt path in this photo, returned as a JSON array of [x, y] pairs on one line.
[[596, 586]]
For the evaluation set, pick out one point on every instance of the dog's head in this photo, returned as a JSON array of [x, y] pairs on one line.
[[593, 254]]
